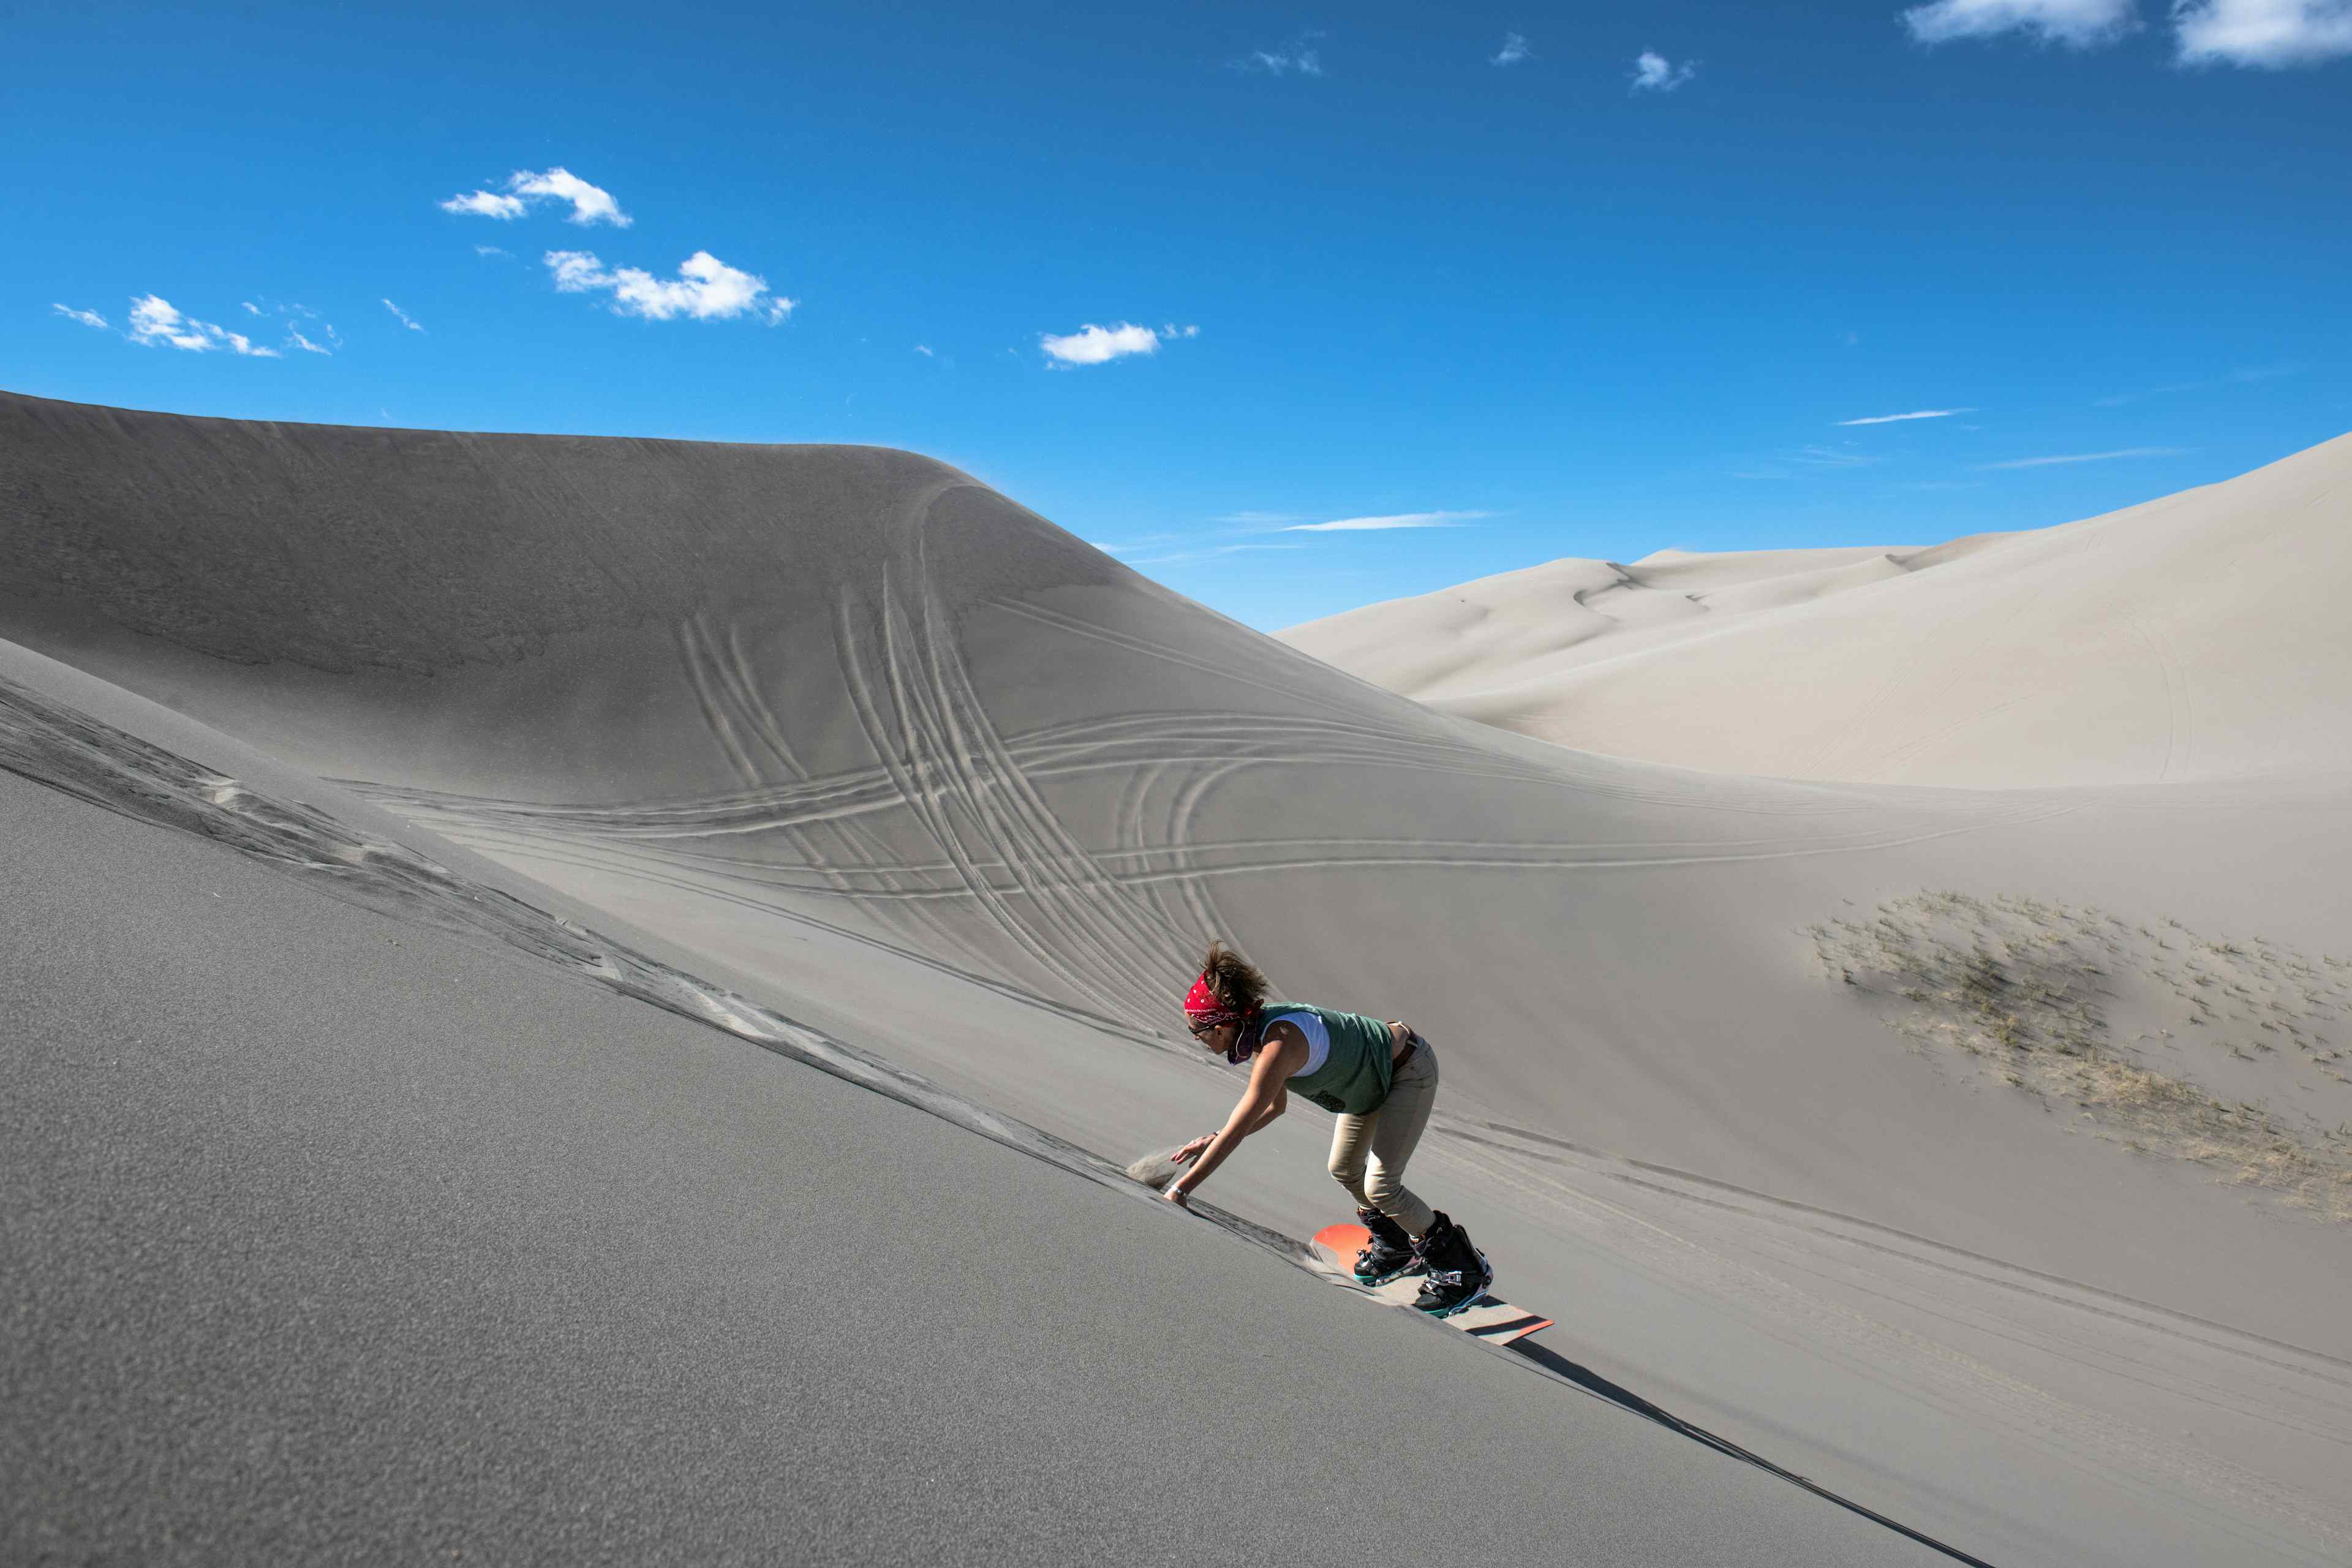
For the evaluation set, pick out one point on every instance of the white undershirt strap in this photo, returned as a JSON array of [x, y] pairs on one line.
[[1318, 1039]]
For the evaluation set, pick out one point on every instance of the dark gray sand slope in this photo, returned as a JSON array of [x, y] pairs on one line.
[[866, 744], [333, 1236]]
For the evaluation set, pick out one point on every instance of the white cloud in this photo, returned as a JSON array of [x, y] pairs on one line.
[[492, 250], [483, 204], [2079, 23], [1398, 520], [295, 339], [251, 309], [154, 322], [1514, 49], [2270, 33], [1172, 331], [87, 317], [404, 320], [590, 204], [1260, 517], [1300, 55], [1655, 73], [2088, 457], [1091, 344], [706, 288], [925, 349], [1898, 418]]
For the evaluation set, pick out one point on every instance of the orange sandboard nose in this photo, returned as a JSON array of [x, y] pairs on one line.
[[1343, 1241]]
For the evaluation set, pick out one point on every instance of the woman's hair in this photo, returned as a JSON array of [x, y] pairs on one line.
[[1234, 978]]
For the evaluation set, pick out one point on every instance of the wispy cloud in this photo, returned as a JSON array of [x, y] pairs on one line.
[[154, 322], [1257, 519], [2273, 34], [1833, 458], [1654, 73], [925, 349], [321, 338], [1396, 520], [87, 317], [1091, 344], [1142, 542], [2087, 458], [1514, 51], [1299, 56], [1207, 554], [492, 250], [2080, 24], [590, 204], [2243, 377], [1898, 418], [706, 288], [405, 319], [1807, 462]]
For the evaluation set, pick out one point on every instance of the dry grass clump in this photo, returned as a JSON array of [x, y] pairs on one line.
[[2025, 989]]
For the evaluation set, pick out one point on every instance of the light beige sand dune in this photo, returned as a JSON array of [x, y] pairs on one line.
[[2201, 636], [870, 743]]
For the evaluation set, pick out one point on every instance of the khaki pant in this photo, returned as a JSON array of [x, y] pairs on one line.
[[1369, 1151]]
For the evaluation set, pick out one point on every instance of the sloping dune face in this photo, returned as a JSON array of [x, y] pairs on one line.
[[842, 685], [2197, 637], [852, 735]]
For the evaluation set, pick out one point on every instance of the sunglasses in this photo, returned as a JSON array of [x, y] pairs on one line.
[[1203, 1031]]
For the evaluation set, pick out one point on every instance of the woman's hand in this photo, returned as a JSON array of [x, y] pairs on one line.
[[1191, 1152]]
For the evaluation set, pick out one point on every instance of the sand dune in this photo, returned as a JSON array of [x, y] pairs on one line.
[[2196, 637], [846, 736]]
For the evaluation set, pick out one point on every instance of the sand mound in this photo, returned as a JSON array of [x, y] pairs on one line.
[[2196, 637], [855, 740]]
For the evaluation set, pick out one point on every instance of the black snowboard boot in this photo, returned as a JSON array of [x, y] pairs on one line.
[[1458, 1272], [1389, 1254]]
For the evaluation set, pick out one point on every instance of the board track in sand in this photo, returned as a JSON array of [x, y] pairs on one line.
[[858, 740]]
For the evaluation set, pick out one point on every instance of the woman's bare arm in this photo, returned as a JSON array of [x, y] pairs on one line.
[[1265, 1098]]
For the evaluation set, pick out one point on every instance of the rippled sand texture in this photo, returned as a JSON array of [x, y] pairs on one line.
[[856, 742]]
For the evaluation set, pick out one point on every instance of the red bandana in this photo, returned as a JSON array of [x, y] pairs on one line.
[[1203, 1005]]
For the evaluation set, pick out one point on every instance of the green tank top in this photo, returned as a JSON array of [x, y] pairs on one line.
[[1354, 1076]]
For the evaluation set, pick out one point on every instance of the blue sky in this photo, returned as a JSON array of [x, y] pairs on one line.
[[1626, 283]]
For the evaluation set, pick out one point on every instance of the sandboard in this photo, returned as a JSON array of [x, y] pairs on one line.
[[1497, 1323]]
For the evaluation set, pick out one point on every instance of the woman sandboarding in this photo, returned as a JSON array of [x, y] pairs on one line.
[[1379, 1078]]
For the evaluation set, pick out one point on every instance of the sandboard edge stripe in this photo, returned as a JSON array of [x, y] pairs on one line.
[[1524, 1325]]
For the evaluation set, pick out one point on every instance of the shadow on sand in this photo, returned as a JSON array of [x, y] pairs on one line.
[[1592, 1383]]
